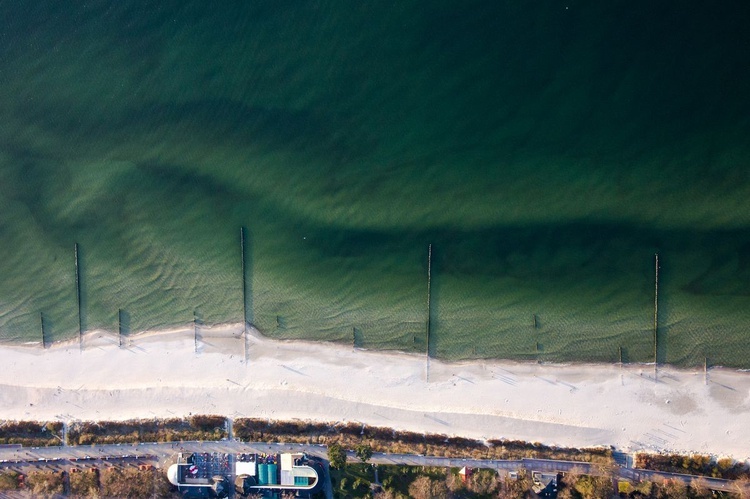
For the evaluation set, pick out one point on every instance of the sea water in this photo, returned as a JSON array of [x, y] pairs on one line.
[[546, 153]]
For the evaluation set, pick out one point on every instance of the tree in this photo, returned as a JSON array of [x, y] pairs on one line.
[[426, 488], [454, 483], [518, 488], [84, 484], [671, 489], [134, 483], [364, 452], [385, 494], [571, 477], [336, 456], [8, 480], [699, 488], [594, 487], [741, 488], [45, 483], [483, 482]]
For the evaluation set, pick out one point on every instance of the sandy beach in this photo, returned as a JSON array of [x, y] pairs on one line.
[[162, 375]]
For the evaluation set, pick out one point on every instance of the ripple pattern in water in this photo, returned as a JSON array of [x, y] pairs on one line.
[[547, 154]]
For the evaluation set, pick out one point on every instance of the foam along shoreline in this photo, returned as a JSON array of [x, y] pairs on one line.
[[160, 374]]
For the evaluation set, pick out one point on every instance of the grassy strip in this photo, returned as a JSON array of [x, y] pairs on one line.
[[31, 433], [696, 464], [382, 439], [147, 430]]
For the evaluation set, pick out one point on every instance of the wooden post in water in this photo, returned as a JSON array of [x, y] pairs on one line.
[[705, 370], [244, 294], [429, 306], [119, 327], [78, 298], [354, 336], [620, 352], [656, 314], [195, 330], [536, 322], [41, 321]]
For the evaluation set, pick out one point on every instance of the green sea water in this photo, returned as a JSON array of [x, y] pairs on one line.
[[546, 151]]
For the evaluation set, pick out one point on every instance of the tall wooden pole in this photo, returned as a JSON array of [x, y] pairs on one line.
[[41, 321], [78, 299], [244, 293], [656, 313], [705, 370], [119, 326], [195, 331], [429, 306]]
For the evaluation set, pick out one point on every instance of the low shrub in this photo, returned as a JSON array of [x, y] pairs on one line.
[[31, 433]]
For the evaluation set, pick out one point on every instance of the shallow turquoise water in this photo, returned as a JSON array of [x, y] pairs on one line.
[[546, 153]]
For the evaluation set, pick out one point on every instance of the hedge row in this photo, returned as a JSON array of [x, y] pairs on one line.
[[31, 433], [382, 439], [696, 464], [204, 427]]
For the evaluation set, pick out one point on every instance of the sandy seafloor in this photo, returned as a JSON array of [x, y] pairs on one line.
[[162, 375]]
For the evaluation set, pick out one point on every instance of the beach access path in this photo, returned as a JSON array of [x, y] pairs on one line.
[[162, 454], [179, 373]]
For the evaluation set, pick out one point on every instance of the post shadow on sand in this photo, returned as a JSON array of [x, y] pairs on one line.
[[197, 323], [248, 256]]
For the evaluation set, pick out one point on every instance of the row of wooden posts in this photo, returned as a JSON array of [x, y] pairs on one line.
[[120, 313], [428, 318]]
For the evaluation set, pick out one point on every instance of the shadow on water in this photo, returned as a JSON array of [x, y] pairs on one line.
[[664, 330], [357, 337], [280, 322], [45, 325], [198, 318], [83, 290], [625, 356], [123, 320], [247, 278], [433, 307]]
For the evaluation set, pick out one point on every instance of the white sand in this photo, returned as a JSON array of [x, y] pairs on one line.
[[577, 405]]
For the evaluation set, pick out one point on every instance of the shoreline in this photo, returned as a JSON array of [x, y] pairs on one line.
[[98, 337], [159, 374]]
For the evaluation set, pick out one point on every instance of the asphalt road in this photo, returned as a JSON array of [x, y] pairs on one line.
[[162, 454]]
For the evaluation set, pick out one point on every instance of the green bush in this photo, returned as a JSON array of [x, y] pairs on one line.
[[8, 480]]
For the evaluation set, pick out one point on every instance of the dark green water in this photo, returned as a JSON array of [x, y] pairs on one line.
[[547, 152]]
